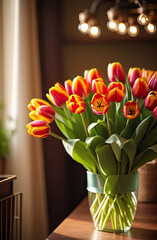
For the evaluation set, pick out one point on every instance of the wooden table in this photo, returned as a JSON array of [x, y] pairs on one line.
[[79, 226]]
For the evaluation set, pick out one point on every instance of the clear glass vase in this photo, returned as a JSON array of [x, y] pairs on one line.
[[113, 213]]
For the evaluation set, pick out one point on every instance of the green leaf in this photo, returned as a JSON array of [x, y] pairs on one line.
[[106, 160], [93, 142], [130, 149], [146, 156], [68, 133], [79, 152], [110, 183], [124, 163], [149, 140], [98, 128]]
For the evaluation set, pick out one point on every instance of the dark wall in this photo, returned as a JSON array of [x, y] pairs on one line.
[[65, 179]]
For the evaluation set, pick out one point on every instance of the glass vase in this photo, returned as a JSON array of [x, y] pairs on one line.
[[115, 210]]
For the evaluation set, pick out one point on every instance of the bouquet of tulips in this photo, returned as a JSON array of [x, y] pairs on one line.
[[110, 130]]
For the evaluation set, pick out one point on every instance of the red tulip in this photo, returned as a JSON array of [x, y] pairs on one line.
[[151, 100], [68, 86], [115, 70], [38, 128], [91, 75], [131, 110], [75, 104], [100, 104], [98, 85], [45, 113], [58, 95], [133, 74], [153, 82], [140, 88], [155, 112], [116, 92], [80, 86], [147, 74]]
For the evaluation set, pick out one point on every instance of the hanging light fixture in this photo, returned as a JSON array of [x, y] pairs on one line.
[[133, 29]]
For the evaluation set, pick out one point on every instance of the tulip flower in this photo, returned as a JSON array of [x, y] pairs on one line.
[[75, 104], [68, 86], [36, 102], [58, 95], [147, 74], [140, 88], [100, 104], [80, 86], [131, 110], [153, 82], [38, 128], [45, 113], [151, 100], [98, 85], [91, 75], [116, 92], [133, 74], [155, 112], [115, 70]]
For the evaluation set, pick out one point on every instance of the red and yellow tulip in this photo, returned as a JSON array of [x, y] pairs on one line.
[[140, 88], [81, 87], [45, 113], [68, 86], [100, 104], [58, 95], [151, 100], [91, 75], [76, 104], [36, 102], [153, 82], [147, 74], [115, 70], [116, 92], [38, 128], [133, 74], [131, 110], [98, 85]]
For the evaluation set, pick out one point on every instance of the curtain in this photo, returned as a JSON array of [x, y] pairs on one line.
[[20, 81]]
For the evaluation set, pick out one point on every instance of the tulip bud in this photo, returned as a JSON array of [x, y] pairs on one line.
[[151, 100], [155, 112], [38, 128], [36, 102], [131, 110], [68, 86], [140, 88], [153, 82], [98, 85], [115, 70], [91, 75], [45, 113], [76, 104], [100, 104], [133, 74], [58, 95], [80, 86], [116, 92]]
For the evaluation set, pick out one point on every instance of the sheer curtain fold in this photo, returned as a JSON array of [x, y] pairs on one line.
[[20, 79]]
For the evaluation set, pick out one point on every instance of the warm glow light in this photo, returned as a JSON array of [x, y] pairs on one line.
[[83, 27], [142, 19], [133, 30], [95, 31], [122, 28], [150, 28], [112, 25]]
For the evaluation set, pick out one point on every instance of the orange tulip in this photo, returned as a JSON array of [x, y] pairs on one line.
[[68, 86], [38, 128], [80, 86], [115, 70], [133, 74], [151, 100], [147, 74], [98, 85], [100, 104], [116, 92], [140, 88], [75, 104], [91, 75], [131, 110], [58, 95]]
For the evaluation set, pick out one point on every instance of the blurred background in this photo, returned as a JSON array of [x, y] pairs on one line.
[[40, 44]]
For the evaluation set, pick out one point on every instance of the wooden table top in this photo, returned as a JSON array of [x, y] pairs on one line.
[[79, 226]]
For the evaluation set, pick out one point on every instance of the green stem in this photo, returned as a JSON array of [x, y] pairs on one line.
[[84, 124], [57, 136], [108, 125]]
